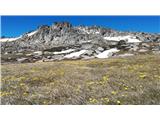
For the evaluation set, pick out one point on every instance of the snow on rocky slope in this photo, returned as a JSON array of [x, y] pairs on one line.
[[75, 54], [64, 41], [9, 39], [31, 33], [128, 38], [17, 38], [107, 53]]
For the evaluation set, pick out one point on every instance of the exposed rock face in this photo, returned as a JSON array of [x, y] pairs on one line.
[[57, 40], [62, 25]]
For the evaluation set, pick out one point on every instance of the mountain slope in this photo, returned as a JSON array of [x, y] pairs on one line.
[[62, 36]]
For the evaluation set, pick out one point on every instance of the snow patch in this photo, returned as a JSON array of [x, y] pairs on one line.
[[65, 51], [130, 39], [107, 53], [97, 32], [9, 39], [88, 41], [14, 39], [32, 33], [75, 54], [88, 31]]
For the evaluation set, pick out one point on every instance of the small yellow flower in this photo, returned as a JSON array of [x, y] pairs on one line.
[[113, 92], [105, 78], [142, 75], [106, 99], [44, 102], [101, 82], [25, 93], [126, 88], [78, 88], [4, 93], [22, 84], [124, 95], [90, 99], [22, 78], [35, 78], [90, 83], [118, 102], [93, 100]]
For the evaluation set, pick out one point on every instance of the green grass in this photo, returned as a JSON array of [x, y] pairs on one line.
[[115, 81]]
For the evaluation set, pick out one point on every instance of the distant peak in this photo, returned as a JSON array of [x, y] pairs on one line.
[[63, 24]]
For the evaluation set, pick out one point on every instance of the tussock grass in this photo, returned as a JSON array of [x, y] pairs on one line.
[[114, 81]]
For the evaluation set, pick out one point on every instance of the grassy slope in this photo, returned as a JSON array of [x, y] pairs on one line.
[[133, 80]]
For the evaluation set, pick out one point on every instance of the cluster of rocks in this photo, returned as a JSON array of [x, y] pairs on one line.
[[56, 42]]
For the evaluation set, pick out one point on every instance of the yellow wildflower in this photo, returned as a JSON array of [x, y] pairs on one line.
[[22, 78], [93, 100], [142, 75], [78, 88], [118, 102], [44, 102], [106, 99], [105, 78], [4, 93], [22, 84], [114, 92], [90, 83], [126, 88]]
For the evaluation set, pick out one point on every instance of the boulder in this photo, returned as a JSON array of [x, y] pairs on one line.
[[100, 49], [133, 48], [58, 57], [89, 52], [6, 53], [87, 46], [145, 45], [49, 57], [22, 60], [143, 50]]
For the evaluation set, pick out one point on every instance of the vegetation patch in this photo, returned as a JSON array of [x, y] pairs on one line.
[[114, 81]]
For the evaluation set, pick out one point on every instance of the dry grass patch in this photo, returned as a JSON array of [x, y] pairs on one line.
[[131, 80]]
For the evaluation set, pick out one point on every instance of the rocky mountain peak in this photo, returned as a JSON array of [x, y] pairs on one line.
[[62, 25]]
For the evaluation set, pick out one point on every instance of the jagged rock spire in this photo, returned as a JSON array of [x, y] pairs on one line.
[[63, 24]]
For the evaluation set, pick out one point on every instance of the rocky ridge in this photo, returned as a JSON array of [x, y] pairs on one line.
[[64, 41]]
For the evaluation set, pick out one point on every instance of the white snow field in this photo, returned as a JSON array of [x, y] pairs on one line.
[[9, 39], [130, 39], [107, 53], [16, 38], [75, 54], [31, 33]]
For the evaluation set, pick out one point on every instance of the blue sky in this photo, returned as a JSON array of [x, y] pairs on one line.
[[13, 26]]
